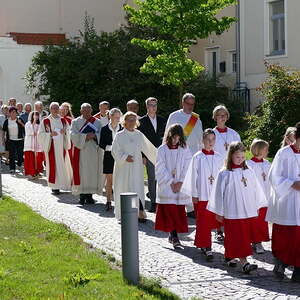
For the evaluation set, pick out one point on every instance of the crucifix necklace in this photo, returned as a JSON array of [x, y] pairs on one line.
[[263, 174], [226, 145], [244, 180], [211, 178], [176, 160]]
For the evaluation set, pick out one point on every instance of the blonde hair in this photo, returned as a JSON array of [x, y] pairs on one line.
[[288, 132], [130, 114], [234, 147], [257, 146], [69, 106], [218, 109]]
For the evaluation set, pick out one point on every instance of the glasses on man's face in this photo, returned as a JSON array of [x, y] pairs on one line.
[[131, 120], [152, 105], [189, 103], [221, 115]]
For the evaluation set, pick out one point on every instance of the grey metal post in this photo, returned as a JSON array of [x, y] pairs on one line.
[[129, 233]]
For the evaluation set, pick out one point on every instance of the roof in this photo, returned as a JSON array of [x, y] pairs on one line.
[[38, 38]]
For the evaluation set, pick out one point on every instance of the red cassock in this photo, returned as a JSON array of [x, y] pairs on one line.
[[205, 223], [260, 227], [239, 235], [171, 217], [33, 162], [286, 244]]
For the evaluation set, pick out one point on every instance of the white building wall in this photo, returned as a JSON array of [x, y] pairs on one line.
[[14, 62]]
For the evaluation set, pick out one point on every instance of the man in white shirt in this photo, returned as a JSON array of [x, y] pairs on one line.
[[153, 127], [102, 115]]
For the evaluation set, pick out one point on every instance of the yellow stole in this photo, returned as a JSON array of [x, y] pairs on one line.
[[188, 128]]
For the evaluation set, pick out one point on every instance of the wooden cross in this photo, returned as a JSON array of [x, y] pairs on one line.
[[226, 146], [244, 181], [211, 179], [264, 176]]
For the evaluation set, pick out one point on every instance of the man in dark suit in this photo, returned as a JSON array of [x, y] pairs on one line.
[[153, 127]]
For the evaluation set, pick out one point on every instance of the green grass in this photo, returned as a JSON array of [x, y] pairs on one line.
[[40, 259]]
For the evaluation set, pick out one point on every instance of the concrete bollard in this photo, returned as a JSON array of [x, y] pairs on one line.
[[129, 233]]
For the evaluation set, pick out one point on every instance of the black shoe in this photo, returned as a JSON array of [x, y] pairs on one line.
[[55, 192], [108, 206], [191, 214], [207, 253], [279, 269], [82, 199], [231, 262], [247, 268], [152, 208], [296, 275], [89, 199], [177, 244], [142, 220]]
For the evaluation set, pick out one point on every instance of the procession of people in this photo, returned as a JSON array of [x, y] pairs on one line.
[[190, 171]]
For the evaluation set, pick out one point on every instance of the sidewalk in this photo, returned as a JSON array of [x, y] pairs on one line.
[[184, 272]]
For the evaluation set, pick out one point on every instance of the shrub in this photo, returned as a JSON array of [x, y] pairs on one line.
[[280, 109]]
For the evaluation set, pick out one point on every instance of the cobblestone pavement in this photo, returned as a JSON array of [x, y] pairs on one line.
[[185, 272]]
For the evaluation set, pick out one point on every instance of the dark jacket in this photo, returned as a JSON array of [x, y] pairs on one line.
[[146, 127], [21, 129], [106, 136]]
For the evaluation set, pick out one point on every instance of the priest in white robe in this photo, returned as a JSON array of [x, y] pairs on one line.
[[189, 121], [87, 156], [284, 208], [54, 138], [128, 175], [192, 129]]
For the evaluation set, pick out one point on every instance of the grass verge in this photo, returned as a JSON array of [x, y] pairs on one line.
[[40, 259]]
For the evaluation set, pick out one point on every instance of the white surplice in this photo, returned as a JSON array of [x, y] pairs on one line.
[[284, 204], [261, 170], [90, 159], [63, 168], [31, 140], [197, 181], [223, 138], [129, 177], [232, 199], [171, 167], [194, 141]]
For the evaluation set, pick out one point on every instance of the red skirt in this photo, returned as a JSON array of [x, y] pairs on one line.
[[286, 244], [238, 237], [260, 227], [33, 162], [171, 217], [205, 222]]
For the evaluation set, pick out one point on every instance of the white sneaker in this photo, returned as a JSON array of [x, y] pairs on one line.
[[259, 249]]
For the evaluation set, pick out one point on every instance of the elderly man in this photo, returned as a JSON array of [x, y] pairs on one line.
[[153, 127], [192, 127], [12, 102], [102, 115], [38, 106], [25, 114], [19, 108], [54, 138], [87, 158]]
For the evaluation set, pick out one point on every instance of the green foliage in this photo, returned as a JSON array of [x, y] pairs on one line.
[[32, 266], [80, 278], [178, 23], [281, 108]]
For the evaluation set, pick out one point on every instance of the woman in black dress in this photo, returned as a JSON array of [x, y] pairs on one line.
[[108, 134]]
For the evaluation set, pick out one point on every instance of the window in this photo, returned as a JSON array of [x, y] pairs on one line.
[[233, 62], [212, 60], [277, 28]]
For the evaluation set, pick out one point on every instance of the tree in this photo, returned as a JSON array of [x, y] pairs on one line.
[[179, 23], [280, 110]]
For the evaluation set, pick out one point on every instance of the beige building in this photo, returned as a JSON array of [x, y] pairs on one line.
[[268, 33]]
